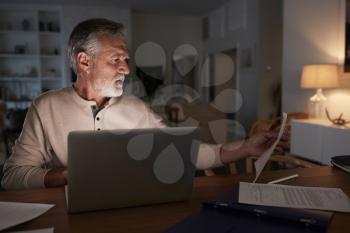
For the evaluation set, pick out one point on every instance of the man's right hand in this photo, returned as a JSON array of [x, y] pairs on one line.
[[56, 177]]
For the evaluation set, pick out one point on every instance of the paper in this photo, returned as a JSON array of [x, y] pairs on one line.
[[14, 213], [333, 199], [261, 162], [46, 230]]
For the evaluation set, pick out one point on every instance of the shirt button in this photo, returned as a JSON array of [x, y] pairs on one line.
[[97, 118], [98, 129]]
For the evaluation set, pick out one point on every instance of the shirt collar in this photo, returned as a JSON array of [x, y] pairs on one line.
[[89, 103], [79, 100]]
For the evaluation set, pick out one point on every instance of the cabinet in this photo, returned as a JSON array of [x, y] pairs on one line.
[[31, 54], [319, 140]]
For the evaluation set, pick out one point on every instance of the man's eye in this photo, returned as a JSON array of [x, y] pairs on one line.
[[126, 59]]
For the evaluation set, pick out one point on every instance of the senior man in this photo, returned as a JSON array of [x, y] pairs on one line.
[[98, 54]]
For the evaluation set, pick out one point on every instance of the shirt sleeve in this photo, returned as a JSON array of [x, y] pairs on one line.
[[25, 167], [208, 156]]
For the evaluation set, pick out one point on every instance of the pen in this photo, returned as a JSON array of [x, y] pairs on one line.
[[283, 179]]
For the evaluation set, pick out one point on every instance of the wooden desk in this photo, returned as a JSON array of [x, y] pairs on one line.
[[157, 218]]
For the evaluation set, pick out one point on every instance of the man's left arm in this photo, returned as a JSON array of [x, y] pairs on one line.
[[211, 155]]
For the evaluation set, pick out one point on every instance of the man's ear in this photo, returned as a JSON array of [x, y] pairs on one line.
[[83, 61]]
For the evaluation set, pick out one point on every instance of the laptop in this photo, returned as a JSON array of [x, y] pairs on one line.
[[125, 168], [341, 162]]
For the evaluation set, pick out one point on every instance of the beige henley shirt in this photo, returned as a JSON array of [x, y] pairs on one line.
[[42, 144]]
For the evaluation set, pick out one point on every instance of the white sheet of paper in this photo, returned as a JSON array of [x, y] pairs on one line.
[[14, 213], [46, 230], [261, 162], [333, 199]]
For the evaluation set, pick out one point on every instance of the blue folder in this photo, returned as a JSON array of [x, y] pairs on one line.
[[224, 214]]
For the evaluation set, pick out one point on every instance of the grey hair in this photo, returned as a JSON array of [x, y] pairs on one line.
[[84, 37]]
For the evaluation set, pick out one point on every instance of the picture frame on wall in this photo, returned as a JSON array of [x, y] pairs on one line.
[[347, 38]]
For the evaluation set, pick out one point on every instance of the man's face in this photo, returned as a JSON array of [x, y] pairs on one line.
[[109, 66]]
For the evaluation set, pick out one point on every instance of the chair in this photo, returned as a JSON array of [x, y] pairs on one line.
[[10, 136], [212, 122], [172, 113], [278, 157], [1, 175], [13, 127]]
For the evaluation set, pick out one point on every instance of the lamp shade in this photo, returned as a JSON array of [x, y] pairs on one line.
[[320, 76]]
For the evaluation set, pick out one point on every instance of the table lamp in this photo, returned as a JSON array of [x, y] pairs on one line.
[[319, 76]]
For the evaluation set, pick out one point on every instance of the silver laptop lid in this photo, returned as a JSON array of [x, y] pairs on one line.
[[122, 168]]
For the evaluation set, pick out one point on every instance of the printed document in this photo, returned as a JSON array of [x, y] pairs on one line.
[[317, 198], [261, 162], [14, 213]]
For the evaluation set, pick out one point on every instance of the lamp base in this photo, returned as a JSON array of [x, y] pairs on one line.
[[317, 105], [319, 96], [317, 110]]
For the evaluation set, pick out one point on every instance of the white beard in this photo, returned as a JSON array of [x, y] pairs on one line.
[[106, 88]]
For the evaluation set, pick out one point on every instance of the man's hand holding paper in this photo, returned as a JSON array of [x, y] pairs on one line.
[[257, 144], [261, 162]]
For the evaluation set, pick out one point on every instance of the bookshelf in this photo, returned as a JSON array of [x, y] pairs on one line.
[[31, 54]]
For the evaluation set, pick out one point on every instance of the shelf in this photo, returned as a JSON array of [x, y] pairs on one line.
[[49, 33], [17, 55], [18, 104], [51, 78], [31, 52], [18, 101], [17, 32], [50, 56], [9, 79]]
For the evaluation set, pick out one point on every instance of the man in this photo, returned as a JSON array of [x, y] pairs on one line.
[[98, 55]]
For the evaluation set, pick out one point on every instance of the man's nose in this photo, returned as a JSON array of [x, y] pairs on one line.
[[123, 68]]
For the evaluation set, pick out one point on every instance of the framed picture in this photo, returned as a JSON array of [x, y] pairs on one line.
[[347, 38]]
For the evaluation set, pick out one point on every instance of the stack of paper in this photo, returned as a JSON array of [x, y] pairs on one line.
[[317, 198]]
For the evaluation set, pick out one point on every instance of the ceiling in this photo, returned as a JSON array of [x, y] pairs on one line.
[[180, 7]]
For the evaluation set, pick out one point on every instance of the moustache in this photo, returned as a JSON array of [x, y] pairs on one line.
[[120, 78]]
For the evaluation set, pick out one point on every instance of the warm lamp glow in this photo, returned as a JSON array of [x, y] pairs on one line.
[[319, 76]]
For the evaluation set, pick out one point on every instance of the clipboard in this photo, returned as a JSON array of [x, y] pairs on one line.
[[224, 214]]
